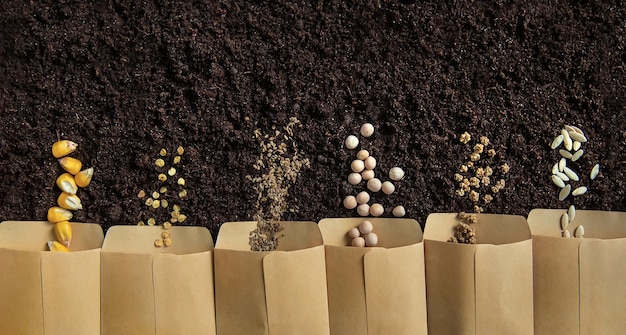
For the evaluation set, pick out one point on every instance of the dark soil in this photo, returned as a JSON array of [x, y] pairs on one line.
[[127, 78]]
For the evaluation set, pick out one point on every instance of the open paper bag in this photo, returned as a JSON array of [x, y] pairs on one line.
[[43, 292], [484, 288], [377, 290], [279, 292], [580, 284], [157, 290]]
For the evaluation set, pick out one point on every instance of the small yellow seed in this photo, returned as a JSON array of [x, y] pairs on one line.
[[175, 213], [58, 214], [167, 225], [69, 201], [158, 243], [167, 241], [149, 201], [176, 160], [63, 231], [163, 189], [151, 222], [63, 148], [162, 177], [176, 208], [156, 195], [181, 181], [171, 171], [164, 203], [56, 246], [141, 223], [182, 217], [163, 152], [66, 183], [156, 204], [141, 194], [174, 220], [83, 178], [165, 234], [159, 162], [71, 164], [180, 150], [182, 193]]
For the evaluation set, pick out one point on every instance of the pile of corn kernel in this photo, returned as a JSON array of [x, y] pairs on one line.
[[158, 198], [68, 201]]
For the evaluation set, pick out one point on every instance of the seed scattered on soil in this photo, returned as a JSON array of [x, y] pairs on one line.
[[367, 130]]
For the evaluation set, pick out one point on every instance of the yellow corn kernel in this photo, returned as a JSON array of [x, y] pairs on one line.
[[58, 214], [56, 246], [71, 164], [180, 150], [163, 152], [69, 201], [63, 231], [181, 181], [83, 178], [176, 160], [159, 162], [67, 183], [162, 177], [156, 204], [63, 148]]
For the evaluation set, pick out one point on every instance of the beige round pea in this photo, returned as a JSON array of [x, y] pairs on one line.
[[366, 227], [363, 209], [396, 173], [367, 174], [398, 211], [374, 185], [371, 240], [354, 233], [349, 202], [362, 198], [362, 154], [354, 178], [377, 210], [351, 142], [358, 242], [370, 163], [357, 165], [367, 130], [388, 187]]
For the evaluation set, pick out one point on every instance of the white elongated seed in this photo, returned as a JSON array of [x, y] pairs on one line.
[[555, 168], [576, 156], [566, 234], [564, 193], [562, 164], [558, 181], [557, 141], [564, 221], [565, 154], [567, 141], [562, 175], [571, 212], [579, 191], [571, 174], [579, 232], [594, 172], [576, 145], [577, 137], [576, 130]]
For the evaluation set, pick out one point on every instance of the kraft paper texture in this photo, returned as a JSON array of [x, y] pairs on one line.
[[44, 292], [484, 288], [281, 292], [151, 290], [579, 283], [379, 290]]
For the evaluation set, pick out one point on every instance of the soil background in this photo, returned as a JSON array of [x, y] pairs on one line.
[[127, 78]]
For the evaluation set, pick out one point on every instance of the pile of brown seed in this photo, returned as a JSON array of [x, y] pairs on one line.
[[170, 190], [281, 166], [482, 173]]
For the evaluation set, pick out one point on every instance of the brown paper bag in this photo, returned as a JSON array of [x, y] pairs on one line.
[[281, 292], [379, 290], [152, 290], [580, 284], [44, 292], [484, 288]]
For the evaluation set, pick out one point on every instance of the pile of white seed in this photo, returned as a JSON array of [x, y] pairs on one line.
[[363, 235], [563, 176], [566, 219], [363, 172]]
